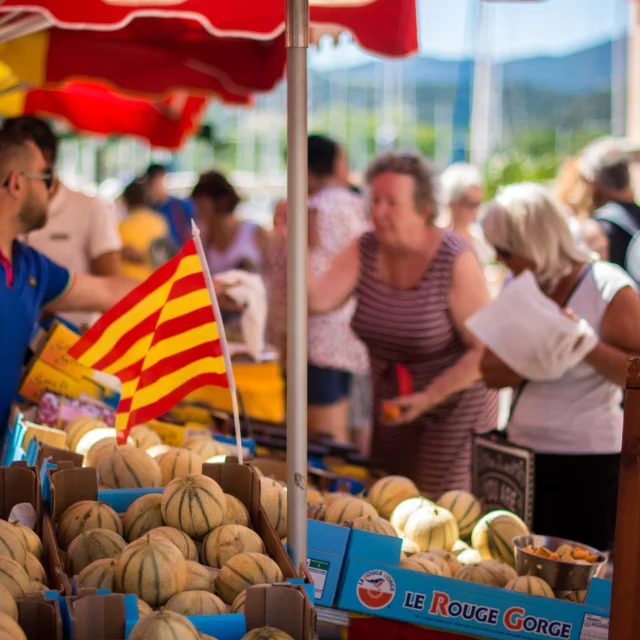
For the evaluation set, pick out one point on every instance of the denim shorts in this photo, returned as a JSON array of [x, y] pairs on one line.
[[327, 386]]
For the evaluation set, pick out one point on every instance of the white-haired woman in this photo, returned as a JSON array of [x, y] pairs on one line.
[[462, 189], [574, 424]]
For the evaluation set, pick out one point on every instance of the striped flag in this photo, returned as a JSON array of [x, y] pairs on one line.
[[162, 341]]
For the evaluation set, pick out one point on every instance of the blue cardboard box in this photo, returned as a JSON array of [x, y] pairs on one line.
[[372, 583]]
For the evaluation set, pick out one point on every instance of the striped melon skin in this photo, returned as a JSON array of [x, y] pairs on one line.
[[205, 446], [36, 587], [348, 509], [143, 515], [238, 603], [480, 575], [199, 577], [144, 437], [246, 570], [387, 493], [29, 538], [531, 585], [416, 563], [227, 541], [465, 507], [152, 569], [406, 509], [8, 604], [95, 544], [409, 547], [194, 504], [10, 629], [164, 625], [236, 512], [505, 573], [446, 560], [197, 603], [100, 574], [432, 529], [13, 577], [266, 633], [185, 544], [158, 450], [83, 516], [375, 524], [493, 534], [79, 427], [12, 543], [465, 554], [129, 469], [103, 448], [35, 570], [143, 609], [273, 499], [177, 463]]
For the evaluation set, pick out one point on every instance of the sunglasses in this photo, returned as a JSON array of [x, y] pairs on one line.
[[502, 254], [47, 178]]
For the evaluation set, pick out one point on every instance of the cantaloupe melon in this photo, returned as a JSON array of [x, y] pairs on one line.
[[143, 608], [441, 558], [79, 427], [479, 574], [205, 446], [194, 504], [179, 538], [238, 603], [164, 625], [84, 515], [8, 604], [151, 568], [10, 629], [432, 529], [504, 572], [245, 570], [100, 574], [13, 577], [374, 524], [103, 448], [143, 515], [422, 565], [465, 554], [91, 545], [406, 509], [177, 463], [314, 496], [12, 543], [30, 538], [266, 633], [196, 603], [273, 499], [158, 450], [492, 536], [236, 512], [129, 469], [348, 509], [532, 585], [409, 547], [387, 493], [466, 509], [200, 578], [35, 570], [227, 541], [36, 587], [144, 437], [329, 498]]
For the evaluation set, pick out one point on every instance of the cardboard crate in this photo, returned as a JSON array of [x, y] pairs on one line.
[[40, 617]]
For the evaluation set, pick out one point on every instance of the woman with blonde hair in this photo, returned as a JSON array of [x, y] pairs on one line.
[[574, 423], [415, 286]]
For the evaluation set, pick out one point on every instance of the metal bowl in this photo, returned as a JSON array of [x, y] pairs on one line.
[[560, 576]]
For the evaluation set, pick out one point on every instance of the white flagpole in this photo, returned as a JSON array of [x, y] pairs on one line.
[[223, 338]]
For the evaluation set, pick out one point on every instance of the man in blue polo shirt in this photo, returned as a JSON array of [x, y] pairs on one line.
[[29, 281]]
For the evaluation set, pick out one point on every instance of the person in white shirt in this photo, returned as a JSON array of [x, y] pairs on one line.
[[81, 233], [574, 423]]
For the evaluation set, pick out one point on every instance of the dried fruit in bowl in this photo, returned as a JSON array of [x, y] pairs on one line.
[[565, 553]]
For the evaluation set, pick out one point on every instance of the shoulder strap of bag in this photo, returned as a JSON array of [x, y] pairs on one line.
[[517, 392], [616, 214]]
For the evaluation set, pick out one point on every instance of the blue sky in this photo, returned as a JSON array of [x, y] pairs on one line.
[[520, 29]]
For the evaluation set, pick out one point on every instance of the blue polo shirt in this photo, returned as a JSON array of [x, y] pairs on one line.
[[27, 284], [178, 214]]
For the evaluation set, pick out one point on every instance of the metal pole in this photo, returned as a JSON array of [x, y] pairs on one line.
[[297, 37]]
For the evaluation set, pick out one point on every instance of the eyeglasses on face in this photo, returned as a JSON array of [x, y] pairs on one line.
[[47, 178]]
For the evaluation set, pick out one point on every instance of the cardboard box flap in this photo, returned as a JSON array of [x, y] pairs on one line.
[[282, 606], [18, 484], [40, 618], [98, 617], [53, 560], [70, 485], [58, 456]]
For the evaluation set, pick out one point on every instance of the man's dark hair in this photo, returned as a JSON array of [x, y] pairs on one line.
[[39, 131], [133, 195], [322, 155], [155, 171], [606, 163], [14, 152], [216, 187]]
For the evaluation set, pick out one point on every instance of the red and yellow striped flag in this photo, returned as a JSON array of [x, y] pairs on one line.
[[161, 341]]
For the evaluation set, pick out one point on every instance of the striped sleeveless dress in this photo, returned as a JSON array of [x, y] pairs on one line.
[[414, 328]]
